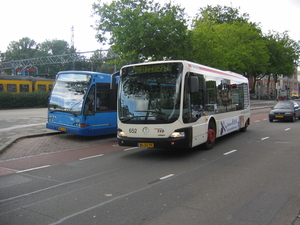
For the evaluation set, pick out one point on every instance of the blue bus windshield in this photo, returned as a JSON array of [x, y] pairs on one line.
[[68, 92]]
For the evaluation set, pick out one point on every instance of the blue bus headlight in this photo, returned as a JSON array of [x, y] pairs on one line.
[[81, 125], [177, 135]]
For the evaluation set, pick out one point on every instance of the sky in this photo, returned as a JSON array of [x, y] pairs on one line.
[[42, 20]]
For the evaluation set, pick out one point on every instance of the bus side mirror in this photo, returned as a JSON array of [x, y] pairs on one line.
[[194, 84]]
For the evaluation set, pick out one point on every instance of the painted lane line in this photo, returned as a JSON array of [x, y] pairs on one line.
[[166, 177], [35, 168], [265, 138], [227, 153], [265, 119], [21, 126], [256, 121], [287, 129], [90, 157], [129, 149]]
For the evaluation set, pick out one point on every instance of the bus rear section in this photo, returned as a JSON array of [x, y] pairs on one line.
[[83, 103], [180, 104]]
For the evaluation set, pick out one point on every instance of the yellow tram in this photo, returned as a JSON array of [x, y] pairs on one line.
[[24, 84]]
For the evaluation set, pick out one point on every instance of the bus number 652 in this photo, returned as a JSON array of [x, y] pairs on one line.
[[132, 130]]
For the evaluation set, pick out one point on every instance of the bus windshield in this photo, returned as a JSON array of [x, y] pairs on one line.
[[150, 93], [68, 93]]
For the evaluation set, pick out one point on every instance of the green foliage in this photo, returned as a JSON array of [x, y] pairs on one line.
[[220, 14], [23, 100], [25, 48], [55, 47], [142, 30], [284, 54], [237, 47]]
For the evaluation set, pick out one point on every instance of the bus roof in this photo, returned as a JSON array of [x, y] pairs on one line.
[[199, 68], [83, 72]]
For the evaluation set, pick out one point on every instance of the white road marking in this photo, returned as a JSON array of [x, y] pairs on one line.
[[129, 149], [227, 153], [287, 129], [265, 138], [35, 168], [90, 157], [165, 177], [22, 126]]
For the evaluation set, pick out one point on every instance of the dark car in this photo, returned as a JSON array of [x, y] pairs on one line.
[[285, 110]]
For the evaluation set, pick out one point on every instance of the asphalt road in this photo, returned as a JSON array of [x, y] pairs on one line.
[[248, 178], [19, 123]]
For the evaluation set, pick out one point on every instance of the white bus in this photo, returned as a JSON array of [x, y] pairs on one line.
[[180, 104]]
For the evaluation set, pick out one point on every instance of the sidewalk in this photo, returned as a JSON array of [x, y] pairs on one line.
[[9, 136]]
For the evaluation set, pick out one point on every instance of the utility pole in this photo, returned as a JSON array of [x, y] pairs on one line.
[[72, 46]]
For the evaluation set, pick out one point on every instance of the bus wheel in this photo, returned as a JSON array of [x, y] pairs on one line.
[[211, 136], [245, 127]]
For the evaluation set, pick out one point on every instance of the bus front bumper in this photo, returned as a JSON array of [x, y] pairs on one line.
[[182, 143], [69, 129]]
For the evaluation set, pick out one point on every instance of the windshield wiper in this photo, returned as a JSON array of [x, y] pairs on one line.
[[151, 111], [71, 109], [163, 117], [130, 118]]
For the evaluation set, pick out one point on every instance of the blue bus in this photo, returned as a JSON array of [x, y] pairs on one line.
[[83, 103]]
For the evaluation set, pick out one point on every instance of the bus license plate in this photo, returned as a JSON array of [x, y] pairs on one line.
[[62, 128], [148, 145]]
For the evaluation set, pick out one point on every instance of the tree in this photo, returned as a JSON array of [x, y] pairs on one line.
[[223, 39], [55, 47], [284, 56], [104, 61], [220, 14], [142, 30], [25, 48]]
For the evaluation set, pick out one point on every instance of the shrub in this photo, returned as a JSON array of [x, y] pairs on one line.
[[23, 100]]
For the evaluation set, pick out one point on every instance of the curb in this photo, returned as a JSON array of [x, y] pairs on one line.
[[15, 138]]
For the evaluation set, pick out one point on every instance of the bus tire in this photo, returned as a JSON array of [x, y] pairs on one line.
[[244, 129], [211, 136]]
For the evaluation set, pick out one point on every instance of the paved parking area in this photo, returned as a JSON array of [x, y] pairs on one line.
[[55, 142]]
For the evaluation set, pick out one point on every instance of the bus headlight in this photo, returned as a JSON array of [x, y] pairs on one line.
[[177, 135], [121, 134], [81, 125]]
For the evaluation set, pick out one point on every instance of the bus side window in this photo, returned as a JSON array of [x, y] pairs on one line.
[[103, 93], [193, 101], [89, 108]]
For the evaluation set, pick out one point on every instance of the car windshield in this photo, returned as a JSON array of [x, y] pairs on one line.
[[284, 105]]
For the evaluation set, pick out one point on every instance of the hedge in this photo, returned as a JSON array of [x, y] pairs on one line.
[[23, 100]]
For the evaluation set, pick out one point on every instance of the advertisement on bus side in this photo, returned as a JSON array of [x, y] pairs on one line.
[[230, 124]]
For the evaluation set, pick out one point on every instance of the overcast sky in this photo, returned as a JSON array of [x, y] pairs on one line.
[[41, 20]]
